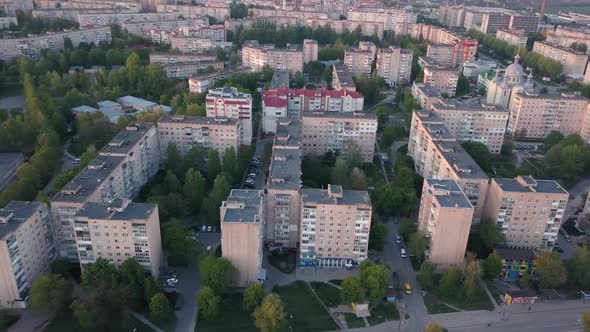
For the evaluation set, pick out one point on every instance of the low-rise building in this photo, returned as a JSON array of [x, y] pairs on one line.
[[9, 163], [189, 69], [512, 37], [189, 131], [516, 263], [394, 65], [112, 116], [472, 69], [445, 217], [342, 78], [201, 83], [335, 227], [442, 79], [574, 62], [242, 222], [119, 231], [228, 102], [134, 104], [26, 250], [528, 211]]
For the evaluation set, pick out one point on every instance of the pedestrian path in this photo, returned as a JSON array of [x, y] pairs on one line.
[[146, 322], [325, 307], [485, 287]]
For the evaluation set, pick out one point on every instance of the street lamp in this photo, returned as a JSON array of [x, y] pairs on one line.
[[291, 322]]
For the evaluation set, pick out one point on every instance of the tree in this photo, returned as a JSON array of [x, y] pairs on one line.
[[213, 165], [491, 266], [417, 245], [180, 248], [463, 87], [194, 190], [151, 287], [49, 292], [352, 291], [374, 291], [434, 327], [171, 183], [160, 310], [216, 272], [586, 321], [472, 279], [480, 154], [489, 234], [552, 273], [253, 296], [450, 285], [377, 236], [230, 163], [100, 275], [132, 276], [567, 160], [578, 268], [427, 275], [208, 303], [340, 172], [221, 189], [270, 316], [358, 179], [175, 162], [552, 139]]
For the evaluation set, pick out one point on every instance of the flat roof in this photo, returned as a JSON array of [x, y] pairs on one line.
[[428, 90], [477, 106], [288, 133], [200, 120], [84, 109], [127, 138], [462, 163], [243, 205], [133, 211], [285, 169], [107, 104], [21, 211], [338, 115], [539, 186], [8, 161], [136, 101], [344, 76], [448, 193], [228, 91], [515, 253], [349, 197]]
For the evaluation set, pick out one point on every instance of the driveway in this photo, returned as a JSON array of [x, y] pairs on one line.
[[188, 286]]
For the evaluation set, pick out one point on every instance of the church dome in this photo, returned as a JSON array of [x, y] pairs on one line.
[[514, 70]]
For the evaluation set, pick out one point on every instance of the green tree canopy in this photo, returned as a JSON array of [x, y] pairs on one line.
[[216, 272], [552, 272], [208, 303], [160, 310], [352, 291], [49, 292], [491, 266], [270, 316], [253, 296]]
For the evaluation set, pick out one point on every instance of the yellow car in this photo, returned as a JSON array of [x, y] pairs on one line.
[[408, 288]]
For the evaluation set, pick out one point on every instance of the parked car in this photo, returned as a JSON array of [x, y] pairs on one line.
[[209, 228], [408, 288], [403, 253], [204, 228], [398, 239]]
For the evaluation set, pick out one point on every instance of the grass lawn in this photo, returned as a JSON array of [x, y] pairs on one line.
[[329, 294], [308, 313], [494, 291], [336, 281], [480, 302], [434, 306], [285, 261], [66, 322], [232, 317], [353, 321], [382, 313]]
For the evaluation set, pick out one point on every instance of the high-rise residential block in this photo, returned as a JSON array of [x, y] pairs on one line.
[[256, 56], [242, 222], [574, 62], [341, 78], [106, 19], [442, 55], [437, 154], [189, 131], [526, 23], [170, 58], [528, 211], [442, 79], [26, 250], [219, 12], [310, 50], [534, 115], [425, 95], [512, 37], [491, 22], [394, 65], [339, 132], [228, 102], [335, 227], [359, 61], [389, 17], [119, 231], [452, 16], [477, 122], [445, 217]]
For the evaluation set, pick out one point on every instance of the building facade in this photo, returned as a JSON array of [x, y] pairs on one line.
[[394, 65], [335, 227], [512, 37], [256, 56], [342, 78], [358, 60], [228, 102], [574, 62], [442, 79]]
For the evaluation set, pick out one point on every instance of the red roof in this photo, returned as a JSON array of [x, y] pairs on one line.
[[309, 93], [274, 101]]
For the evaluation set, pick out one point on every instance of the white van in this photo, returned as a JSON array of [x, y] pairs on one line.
[[403, 253]]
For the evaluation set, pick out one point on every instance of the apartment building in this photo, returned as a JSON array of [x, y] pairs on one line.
[[107, 19], [31, 46], [394, 65], [188, 131], [242, 222], [26, 250], [7, 22], [442, 79], [445, 217], [191, 44], [491, 22], [425, 95], [129, 5], [464, 49], [310, 50], [442, 55], [118, 231], [452, 16], [200, 83], [170, 58], [512, 37], [389, 17], [339, 132], [342, 78], [214, 32], [335, 227], [9, 163], [528, 211], [574, 62], [72, 13], [219, 12], [565, 35], [10, 7], [526, 23], [228, 102], [188, 69], [534, 115], [468, 121], [359, 60], [256, 56], [122, 167], [144, 28], [283, 187], [437, 154]]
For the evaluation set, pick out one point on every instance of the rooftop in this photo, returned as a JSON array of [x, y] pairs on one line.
[[84, 109], [344, 76], [107, 104], [8, 161], [334, 195], [525, 184], [515, 253], [198, 120], [127, 139], [18, 212], [228, 92], [219, 74], [243, 205], [448, 193], [136, 101], [311, 93], [338, 115], [427, 90], [461, 162], [131, 211], [455, 105], [285, 169], [565, 49]]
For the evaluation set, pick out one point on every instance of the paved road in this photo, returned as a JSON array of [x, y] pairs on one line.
[[394, 147], [414, 304]]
